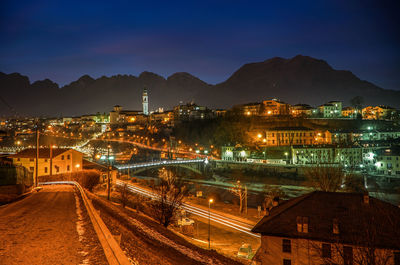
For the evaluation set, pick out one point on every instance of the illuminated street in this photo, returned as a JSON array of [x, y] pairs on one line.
[[53, 222]]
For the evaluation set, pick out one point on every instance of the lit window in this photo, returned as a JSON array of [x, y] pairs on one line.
[[302, 224]]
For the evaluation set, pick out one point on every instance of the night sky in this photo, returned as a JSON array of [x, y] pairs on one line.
[[63, 40]]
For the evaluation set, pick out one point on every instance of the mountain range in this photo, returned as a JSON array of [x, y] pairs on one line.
[[300, 79]]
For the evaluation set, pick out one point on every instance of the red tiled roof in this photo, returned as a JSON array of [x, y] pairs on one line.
[[376, 223]]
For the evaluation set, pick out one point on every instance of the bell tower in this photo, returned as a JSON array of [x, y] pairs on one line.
[[145, 101]]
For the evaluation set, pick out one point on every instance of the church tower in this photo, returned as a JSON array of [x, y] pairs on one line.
[[145, 101]]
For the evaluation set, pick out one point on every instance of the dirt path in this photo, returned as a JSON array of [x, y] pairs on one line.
[[48, 227]]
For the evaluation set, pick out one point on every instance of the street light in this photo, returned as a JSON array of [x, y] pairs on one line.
[[209, 217], [108, 172]]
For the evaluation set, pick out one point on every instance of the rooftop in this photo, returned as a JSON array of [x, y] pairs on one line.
[[43, 152], [376, 222]]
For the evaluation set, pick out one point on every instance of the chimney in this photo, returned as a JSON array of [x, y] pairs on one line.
[[366, 198]]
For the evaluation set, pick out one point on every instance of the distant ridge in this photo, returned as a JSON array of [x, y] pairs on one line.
[[298, 79]]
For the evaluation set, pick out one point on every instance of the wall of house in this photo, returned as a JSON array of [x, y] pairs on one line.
[[308, 252]]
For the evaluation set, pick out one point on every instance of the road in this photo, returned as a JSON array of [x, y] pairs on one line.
[[221, 218], [48, 227]]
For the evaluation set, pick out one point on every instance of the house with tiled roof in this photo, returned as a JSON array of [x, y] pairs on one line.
[[51, 161], [330, 228]]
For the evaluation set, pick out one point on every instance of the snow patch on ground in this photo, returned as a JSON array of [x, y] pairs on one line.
[[79, 227], [159, 237]]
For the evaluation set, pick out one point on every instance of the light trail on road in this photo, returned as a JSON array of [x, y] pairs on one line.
[[215, 217], [160, 163]]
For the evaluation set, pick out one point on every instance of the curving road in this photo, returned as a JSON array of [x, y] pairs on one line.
[[48, 227], [221, 218]]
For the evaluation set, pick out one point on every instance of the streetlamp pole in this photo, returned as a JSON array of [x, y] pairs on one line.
[[209, 224], [108, 173]]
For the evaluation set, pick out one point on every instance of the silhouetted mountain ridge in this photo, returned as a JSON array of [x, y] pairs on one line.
[[298, 79]]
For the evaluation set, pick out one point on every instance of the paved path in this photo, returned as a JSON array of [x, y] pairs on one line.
[[48, 227]]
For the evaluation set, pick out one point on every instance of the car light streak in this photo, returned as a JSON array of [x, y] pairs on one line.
[[215, 217]]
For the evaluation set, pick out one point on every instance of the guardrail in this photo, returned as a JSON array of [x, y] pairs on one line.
[[112, 251]]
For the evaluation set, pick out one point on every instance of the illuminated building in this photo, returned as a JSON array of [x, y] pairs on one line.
[[234, 153], [388, 161], [350, 112], [119, 116], [351, 156], [301, 110], [249, 109], [274, 107], [332, 109], [63, 160], [145, 102], [191, 111], [286, 136], [378, 112]]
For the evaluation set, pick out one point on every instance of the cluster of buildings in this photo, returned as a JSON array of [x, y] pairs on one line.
[[330, 110], [369, 149]]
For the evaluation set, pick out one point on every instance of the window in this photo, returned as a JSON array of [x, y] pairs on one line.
[[68, 168], [68, 157], [31, 159], [348, 255], [31, 168], [287, 262], [57, 169], [18, 159], [45, 160], [286, 246], [62, 157], [302, 224], [326, 251], [45, 169]]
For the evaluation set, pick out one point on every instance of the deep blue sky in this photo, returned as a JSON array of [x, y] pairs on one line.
[[62, 40]]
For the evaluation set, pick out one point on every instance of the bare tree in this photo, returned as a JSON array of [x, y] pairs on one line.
[[124, 194], [325, 178], [269, 194], [239, 190], [170, 193]]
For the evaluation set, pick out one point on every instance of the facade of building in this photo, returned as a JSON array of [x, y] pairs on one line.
[[388, 161], [119, 116], [332, 109], [249, 109], [286, 136], [234, 153], [329, 228], [62, 160], [378, 112], [317, 155], [350, 112], [301, 110], [191, 111], [274, 107]]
